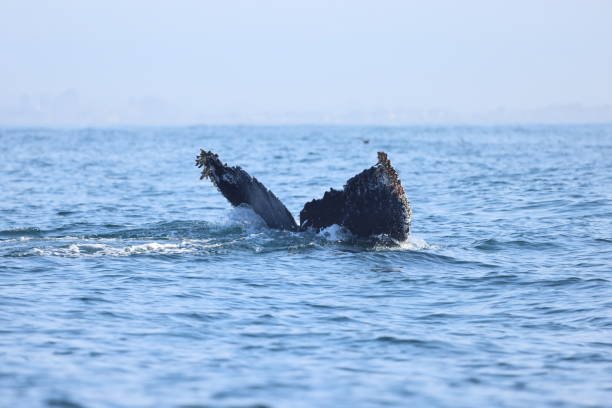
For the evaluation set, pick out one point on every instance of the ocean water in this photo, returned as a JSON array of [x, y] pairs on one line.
[[125, 281]]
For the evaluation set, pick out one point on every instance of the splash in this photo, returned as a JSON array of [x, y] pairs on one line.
[[335, 233], [244, 217], [412, 243], [107, 250]]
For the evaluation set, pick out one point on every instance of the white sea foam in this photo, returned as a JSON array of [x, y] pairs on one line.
[[412, 243], [335, 233], [101, 249], [20, 239], [245, 217]]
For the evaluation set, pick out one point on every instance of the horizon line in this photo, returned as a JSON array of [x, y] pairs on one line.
[[310, 124]]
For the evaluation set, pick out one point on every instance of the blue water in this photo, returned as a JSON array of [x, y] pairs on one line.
[[125, 281]]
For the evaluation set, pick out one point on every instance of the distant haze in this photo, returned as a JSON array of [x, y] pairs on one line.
[[317, 61]]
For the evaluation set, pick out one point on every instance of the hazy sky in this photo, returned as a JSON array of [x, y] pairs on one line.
[[155, 62]]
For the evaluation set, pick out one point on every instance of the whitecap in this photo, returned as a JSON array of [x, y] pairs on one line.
[[335, 233], [245, 217], [412, 243]]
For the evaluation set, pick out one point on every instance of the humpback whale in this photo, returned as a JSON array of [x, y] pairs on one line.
[[371, 203]]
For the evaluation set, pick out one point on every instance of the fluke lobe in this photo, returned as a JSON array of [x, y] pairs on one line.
[[371, 203]]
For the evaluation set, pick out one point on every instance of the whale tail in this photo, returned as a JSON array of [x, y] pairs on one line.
[[371, 203], [238, 187]]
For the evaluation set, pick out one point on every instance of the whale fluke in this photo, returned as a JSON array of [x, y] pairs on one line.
[[238, 187], [371, 203]]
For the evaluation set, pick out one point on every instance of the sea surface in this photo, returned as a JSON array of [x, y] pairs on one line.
[[125, 281]]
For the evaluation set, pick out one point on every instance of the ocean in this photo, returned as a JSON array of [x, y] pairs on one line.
[[125, 281]]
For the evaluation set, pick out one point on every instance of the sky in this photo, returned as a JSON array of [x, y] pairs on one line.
[[183, 62]]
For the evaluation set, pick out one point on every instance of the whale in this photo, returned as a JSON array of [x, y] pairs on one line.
[[371, 203]]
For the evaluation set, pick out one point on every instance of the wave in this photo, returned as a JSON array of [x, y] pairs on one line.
[[100, 249], [21, 232], [492, 244], [241, 230]]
